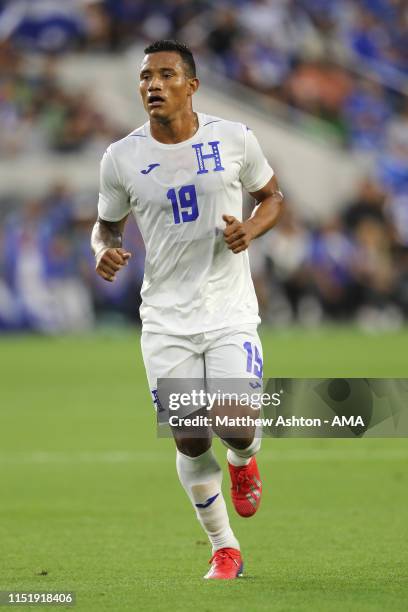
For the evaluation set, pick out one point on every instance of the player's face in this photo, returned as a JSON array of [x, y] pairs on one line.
[[164, 86]]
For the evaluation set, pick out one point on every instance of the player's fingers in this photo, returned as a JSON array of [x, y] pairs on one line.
[[115, 255], [125, 254], [110, 268], [108, 262], [239, 233], [231, 229], [237, 244], [107, 267], [228, 218], [240, 248], [105, 275], [234, 238]]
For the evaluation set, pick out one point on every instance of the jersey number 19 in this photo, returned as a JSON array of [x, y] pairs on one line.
[[184, 203]]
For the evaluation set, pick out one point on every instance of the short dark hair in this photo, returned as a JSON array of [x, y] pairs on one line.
[[177, 47]]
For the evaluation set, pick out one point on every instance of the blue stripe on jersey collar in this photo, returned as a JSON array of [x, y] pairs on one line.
[[213, 121]]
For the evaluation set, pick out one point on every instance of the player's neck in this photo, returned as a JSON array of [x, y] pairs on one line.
[[175, 130]]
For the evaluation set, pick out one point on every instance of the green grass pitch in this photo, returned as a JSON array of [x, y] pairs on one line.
[[90, 501]]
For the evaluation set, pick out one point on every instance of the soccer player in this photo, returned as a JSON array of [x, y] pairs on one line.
[[181, 174]]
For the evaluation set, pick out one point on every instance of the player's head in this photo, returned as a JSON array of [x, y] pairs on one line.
[[167, 79]]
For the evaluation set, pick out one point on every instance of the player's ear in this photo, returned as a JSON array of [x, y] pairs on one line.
[[194, 84]]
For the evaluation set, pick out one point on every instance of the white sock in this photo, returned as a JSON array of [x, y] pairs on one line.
[[242, 456], [201, 478]]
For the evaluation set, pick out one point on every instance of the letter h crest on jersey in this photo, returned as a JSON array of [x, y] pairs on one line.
[[215, 156]]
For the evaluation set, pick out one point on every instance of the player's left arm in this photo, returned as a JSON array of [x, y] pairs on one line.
[[238, 234]]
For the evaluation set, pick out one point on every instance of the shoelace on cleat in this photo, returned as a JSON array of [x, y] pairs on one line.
[[222, 556], [243, 477]]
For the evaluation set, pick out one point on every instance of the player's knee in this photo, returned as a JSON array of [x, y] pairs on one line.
[[239, 443], [192, 447]]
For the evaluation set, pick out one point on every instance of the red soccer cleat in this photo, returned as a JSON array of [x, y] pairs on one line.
[[226, 564], [246, 488]]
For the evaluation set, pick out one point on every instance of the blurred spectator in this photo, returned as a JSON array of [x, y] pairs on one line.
[[368, 38], [321, 89], [259, 66], [44, 25], [397, 132], [368, 204], [224, 33], [376, 34], [330, 269], [37, 113], [40, 271], [398, 212], [339, 270], [375, 275], [47, 273], [372, 263], [366, 111], [287, 252]]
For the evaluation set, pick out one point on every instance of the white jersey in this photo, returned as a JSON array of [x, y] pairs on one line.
[[178, 193]]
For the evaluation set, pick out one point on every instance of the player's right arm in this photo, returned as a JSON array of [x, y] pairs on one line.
[[113, 209], [106, 243]]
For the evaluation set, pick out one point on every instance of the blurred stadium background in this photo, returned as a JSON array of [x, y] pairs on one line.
[[324, 86]]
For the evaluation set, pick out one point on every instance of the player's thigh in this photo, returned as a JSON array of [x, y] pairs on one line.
[[167, 356], [176, 357], [234, 373], [235, 353]]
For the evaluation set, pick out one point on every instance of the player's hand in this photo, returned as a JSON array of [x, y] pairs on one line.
[[110, 261], [237, 234]]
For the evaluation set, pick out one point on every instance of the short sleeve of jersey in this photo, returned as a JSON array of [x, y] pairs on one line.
[[113, 202], [256, 171]]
